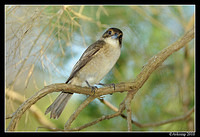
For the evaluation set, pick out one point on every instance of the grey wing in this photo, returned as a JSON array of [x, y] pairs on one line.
[[86, 57]]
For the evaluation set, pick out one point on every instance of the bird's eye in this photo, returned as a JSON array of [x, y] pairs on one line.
[[109, 32]]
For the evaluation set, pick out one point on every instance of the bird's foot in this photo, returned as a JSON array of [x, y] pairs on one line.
[[93, 88]]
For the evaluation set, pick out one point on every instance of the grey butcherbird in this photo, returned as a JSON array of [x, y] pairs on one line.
[[97, 60]]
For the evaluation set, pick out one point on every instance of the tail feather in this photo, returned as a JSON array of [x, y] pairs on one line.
[[58, 105]]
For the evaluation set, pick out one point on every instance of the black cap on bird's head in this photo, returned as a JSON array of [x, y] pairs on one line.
[[114, 33]]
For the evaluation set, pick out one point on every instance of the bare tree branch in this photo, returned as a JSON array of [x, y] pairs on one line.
[[133, 87]]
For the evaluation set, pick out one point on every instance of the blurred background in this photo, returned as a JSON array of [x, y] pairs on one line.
[[43, 43]]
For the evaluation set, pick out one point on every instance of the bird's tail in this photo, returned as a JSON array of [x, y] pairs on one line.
[[58, 105]]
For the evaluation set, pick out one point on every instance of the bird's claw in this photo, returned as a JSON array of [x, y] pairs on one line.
[[93, 88]]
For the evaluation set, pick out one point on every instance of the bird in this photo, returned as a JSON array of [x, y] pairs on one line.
[[96, 61]]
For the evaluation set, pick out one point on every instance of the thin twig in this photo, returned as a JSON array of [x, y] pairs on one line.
[[81, 16], [108, 104]]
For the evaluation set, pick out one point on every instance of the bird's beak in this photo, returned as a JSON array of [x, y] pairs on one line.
[[116, 35]]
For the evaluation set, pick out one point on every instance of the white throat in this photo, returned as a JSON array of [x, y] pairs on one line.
[[111, 41]]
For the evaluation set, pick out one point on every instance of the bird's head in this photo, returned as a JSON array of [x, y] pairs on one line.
[[113, 34]]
